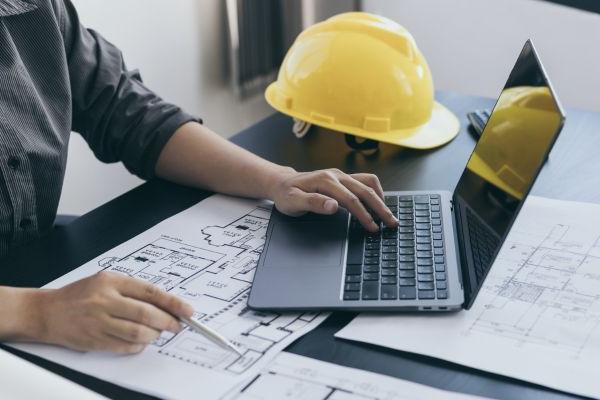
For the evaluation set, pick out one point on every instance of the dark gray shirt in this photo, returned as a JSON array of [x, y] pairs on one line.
[[57, 76]]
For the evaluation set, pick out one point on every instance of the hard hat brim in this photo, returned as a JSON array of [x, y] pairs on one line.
[[442, 127]]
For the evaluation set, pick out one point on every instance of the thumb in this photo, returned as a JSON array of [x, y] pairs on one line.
[[299, 202]]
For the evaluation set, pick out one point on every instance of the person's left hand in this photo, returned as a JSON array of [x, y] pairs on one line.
[[296, 193]]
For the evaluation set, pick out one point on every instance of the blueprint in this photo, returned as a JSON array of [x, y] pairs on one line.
[[207, 256], [295, 377], [537, 317]]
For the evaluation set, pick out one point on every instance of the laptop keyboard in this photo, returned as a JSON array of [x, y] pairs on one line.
[[404, 263]]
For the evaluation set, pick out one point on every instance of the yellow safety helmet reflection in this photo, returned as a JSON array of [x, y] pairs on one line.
[[362, 74], [501, 157]]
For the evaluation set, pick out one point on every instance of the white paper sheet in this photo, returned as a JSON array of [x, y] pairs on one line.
[[206, 255], [19, 379], [291, 376], [537, 318]]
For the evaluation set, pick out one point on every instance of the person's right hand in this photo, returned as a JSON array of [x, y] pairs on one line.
[[108, 312]]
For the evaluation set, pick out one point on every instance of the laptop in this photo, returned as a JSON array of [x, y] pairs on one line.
[[439, 256]]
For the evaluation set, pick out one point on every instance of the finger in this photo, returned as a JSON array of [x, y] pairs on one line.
[[145, 314], [299, 202], [369, 197], [370, 180], [149, 293], [130, 331], [336, 190]]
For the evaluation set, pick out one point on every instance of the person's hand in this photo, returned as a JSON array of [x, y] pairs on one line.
[[108, 312], [296, 193]]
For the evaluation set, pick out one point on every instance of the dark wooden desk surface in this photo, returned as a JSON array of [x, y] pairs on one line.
[[571, 174]]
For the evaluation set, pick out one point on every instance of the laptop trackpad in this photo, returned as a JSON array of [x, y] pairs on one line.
[[302, 243]]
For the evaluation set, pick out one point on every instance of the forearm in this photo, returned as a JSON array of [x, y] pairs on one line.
[[196, 156], [19, 314]]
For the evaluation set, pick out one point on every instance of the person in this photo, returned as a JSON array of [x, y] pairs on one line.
[[56, 76]]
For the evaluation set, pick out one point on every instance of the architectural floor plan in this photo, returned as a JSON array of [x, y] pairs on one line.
[[207, 256], [537, 317], [294, 377]]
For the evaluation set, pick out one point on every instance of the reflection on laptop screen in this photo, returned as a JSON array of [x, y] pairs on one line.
[[512, 148]]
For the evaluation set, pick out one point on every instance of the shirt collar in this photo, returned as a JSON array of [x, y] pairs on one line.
[[15, 7]]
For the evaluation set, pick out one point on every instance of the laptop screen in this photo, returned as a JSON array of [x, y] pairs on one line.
[[501, 170]]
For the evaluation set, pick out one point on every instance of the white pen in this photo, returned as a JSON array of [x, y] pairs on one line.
[[210, 334]]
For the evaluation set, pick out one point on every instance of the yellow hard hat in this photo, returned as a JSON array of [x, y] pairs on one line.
[[362, 74], [501, 157]]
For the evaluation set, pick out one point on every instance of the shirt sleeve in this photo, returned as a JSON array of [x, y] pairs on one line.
[[119, 117]]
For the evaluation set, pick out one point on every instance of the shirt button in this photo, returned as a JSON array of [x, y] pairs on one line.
[[25, 223], [13, 162]]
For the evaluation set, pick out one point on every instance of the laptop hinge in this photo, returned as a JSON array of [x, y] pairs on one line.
[[464, 267]]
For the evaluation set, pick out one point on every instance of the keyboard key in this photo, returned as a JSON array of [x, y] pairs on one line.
[[370, 276], [423, 247], [351, 295], [436, 229], [405, 204], [372, 238], [391, 200], [407, 293], [406, 229], [435, 202], [438, 251], [407, 282], [422, 226], [372, 261], [355, 248], [371, 253], [389, 264], [352, 287], [406, 243], [440, 267], [389, 292], [405, 210], [435, 208], [438, 259], [435, 214], [389, 272], [436, 221], [438, 243], [423, 233], [405, 266], [425, 294], [405, 223], [421, 206], [434, 196], [421, 199], [406, 258], [353, 269], [424, 261], [406, 273], [406, 236], [424, 277], [421, 220], [425, 286], [424, 269], [353, 278], [405, 197], [370, 290], [421, 213], [440, 276], [441, 284], [371, 268], [421, 240], [388, 280], [389, 249], [405, 216], [389, 256], [437, 236], [407, 250], [424, 254], [389, 242], [442, 294], [372, 246]]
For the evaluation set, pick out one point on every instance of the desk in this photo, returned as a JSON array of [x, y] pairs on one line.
[[571, 174]]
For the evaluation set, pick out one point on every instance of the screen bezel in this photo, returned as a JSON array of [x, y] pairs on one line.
[[470, 286]]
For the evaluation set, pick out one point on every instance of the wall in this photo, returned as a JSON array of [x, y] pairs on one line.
[[472, 44]]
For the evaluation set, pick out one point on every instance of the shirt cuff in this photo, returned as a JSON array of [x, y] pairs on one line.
[[162, 135]]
